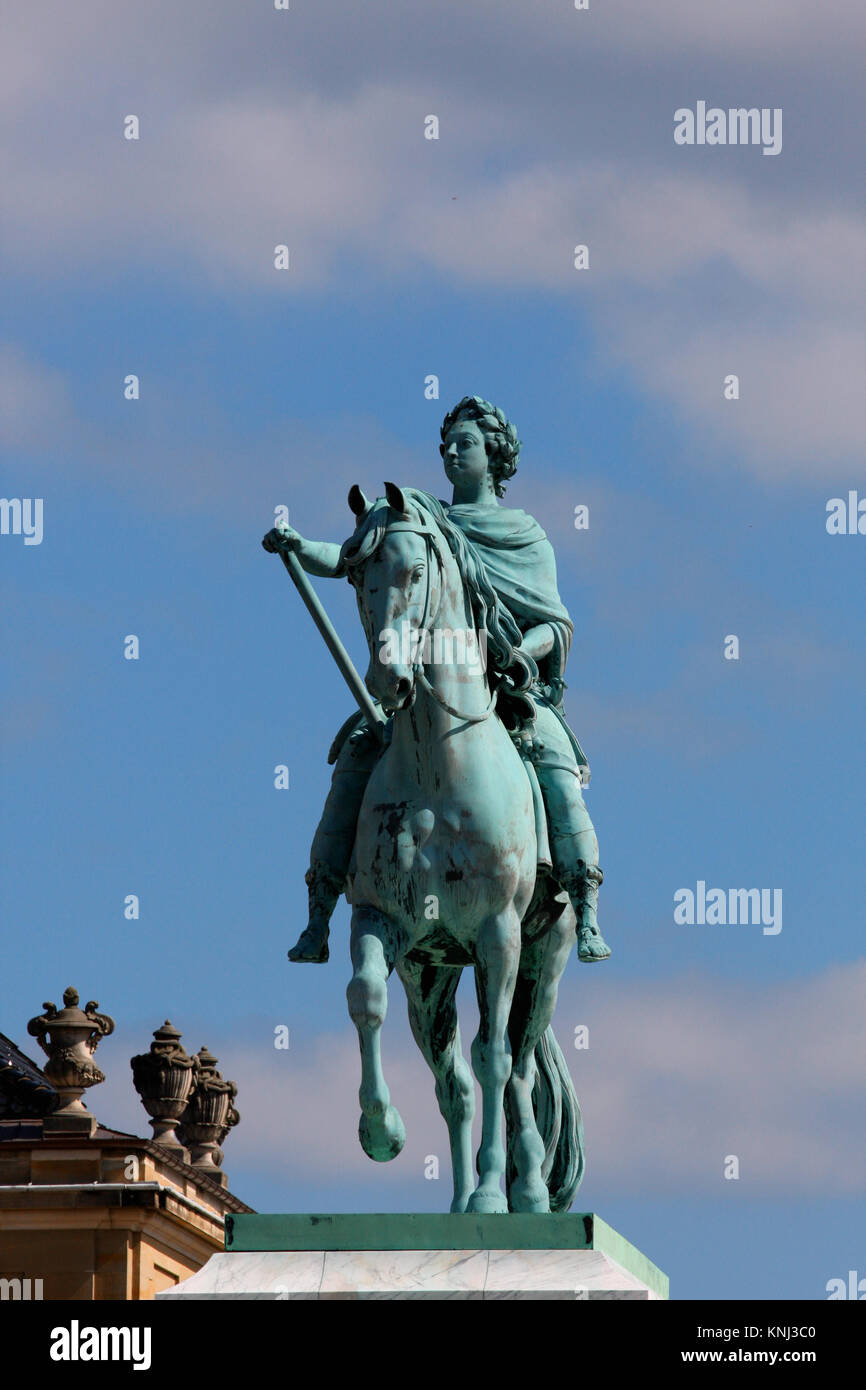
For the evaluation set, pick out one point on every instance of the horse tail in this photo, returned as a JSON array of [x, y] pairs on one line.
[[557, 1114]]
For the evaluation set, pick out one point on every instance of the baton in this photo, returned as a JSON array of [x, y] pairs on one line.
[[313, 604]]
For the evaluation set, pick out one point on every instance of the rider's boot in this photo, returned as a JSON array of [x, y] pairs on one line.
[[331, 850], [324, 888], [582, 888]]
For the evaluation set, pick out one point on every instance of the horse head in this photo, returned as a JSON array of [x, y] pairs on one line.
[[396, 561]]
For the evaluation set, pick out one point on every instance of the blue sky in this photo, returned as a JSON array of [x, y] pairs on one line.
[[707, 517]]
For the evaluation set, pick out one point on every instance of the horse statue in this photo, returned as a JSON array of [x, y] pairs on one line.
[[443, 874]]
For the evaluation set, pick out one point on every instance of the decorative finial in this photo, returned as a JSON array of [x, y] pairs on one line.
[[69, 1037], [209, 1116], [163, 1078]]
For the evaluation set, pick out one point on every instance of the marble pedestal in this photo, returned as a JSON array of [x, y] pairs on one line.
[[350, 1256]]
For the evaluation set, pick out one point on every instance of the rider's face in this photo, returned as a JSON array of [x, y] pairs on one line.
[[464, 454]]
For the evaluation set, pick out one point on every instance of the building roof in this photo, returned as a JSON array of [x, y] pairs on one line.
[[27, 1096], [25, 1091]]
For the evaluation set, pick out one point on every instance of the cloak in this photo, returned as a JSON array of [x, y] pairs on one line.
[[520, 562]]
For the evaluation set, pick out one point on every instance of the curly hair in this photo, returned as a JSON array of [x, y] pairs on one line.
[[500, 436]]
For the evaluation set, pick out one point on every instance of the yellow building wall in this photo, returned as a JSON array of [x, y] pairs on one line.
[[85, 1246]]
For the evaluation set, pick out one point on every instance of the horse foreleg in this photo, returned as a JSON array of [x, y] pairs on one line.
[[430, 992], [497, 956], [541, 966], [381, 1130]]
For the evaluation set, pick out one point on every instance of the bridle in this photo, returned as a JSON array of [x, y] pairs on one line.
[[431, 540]]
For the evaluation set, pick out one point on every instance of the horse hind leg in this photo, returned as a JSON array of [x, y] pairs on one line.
[[430, 992], [381, 1130]]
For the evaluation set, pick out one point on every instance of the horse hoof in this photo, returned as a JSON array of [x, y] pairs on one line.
[[487, 1202], [531, 1199], [382, 1136]]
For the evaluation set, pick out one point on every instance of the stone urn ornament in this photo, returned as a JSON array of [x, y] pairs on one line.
[[69, 1037], [209, 1116], [163, 1078]]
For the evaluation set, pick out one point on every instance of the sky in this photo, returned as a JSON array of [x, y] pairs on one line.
[[260, 388]]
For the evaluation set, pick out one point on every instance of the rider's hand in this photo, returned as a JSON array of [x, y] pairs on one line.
[[282, 538]]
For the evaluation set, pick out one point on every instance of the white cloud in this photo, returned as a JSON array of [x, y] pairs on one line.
[[686, 1072], [34, 401], [789, 29], [696, 269]]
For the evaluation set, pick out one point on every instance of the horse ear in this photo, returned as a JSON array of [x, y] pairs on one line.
[[395, 498], [357, 501]]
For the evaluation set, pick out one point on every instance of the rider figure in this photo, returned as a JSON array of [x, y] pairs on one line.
[[479, 449]]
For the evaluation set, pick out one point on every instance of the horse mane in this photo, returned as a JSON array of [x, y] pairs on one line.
[[493, 621]]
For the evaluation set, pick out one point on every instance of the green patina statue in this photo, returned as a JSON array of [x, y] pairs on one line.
[[455, 822]]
